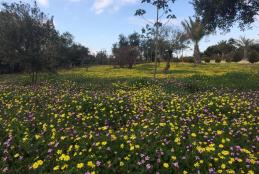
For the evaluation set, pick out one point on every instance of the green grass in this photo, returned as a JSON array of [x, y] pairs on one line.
[[195, 77], [102, 120]]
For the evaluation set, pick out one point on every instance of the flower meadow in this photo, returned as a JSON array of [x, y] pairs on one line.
[[64, 127]]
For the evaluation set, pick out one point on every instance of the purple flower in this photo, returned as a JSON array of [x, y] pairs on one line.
[[148, 166], [98, 163], [176, 165], [147, 158]]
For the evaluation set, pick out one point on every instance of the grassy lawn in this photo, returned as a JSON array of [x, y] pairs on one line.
[[228, 75], [193, 119]]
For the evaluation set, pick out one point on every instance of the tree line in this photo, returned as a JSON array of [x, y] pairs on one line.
[[31, 43]]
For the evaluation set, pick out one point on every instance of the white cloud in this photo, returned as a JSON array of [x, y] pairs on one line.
[[43, 2], [100, 5]]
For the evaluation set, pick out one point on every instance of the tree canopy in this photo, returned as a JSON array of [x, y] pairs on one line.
[[30, 42], [223, 14]]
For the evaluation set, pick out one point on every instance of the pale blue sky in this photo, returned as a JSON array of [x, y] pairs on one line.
[[97, 23]]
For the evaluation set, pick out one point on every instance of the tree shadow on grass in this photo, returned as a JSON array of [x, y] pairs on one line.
[[231, 80], [178, 72], [145, 67], [187, 84]]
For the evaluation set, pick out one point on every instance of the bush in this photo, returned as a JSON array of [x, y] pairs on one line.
[[207, 59], [237, 56], [176, 60], [228, 57], [187, 59], [218, 59], [253, 57], [126, 56]]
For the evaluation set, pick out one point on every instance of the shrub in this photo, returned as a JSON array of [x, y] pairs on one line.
[[188, 59], [228, 57], [126, 56], [237, 56], [253, 57], [176, 60], [218, 59], [207, 59]]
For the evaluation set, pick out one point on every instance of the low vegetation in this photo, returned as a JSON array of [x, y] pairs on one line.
[[107, 120]]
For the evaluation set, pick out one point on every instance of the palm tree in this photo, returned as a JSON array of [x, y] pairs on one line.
[[195, 32], [244, 43]]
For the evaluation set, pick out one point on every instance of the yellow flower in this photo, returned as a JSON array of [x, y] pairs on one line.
[[56, 168], [219, 171], [224, 152], [137, 146], [40, 162], [251, 172], [132, 147], [90, 164], [197, 164], [16, 155], [239, 160], [121, 163], [64, 157], [221, 145], [177, 140], [64, 167], [37, 164], [230, 171], [252, 161], [104, 143], [173, 158], [80, 165], [185, 172], [113, 137], [193, 134], [219, 132], [166, 165], [59, 152], [162, 124], [223, 166], [37, 136]]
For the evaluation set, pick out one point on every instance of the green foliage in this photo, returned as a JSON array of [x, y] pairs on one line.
[[237, 55], [218, 59], [187, 59], [207, 59], [224, 14], [222, 49], [253, 56], [126, 51], [195, 31], [30, 43]]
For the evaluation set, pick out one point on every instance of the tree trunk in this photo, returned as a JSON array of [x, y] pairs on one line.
[[156, 42], [197, 55], [32, 78], [245, 54], [36, 77]]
